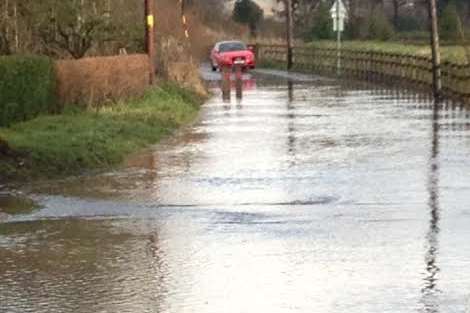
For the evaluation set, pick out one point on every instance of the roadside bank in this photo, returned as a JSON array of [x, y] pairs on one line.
[[80, 140]]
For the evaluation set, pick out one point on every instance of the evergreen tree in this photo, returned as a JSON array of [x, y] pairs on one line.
[[322, 23], [249, 13]]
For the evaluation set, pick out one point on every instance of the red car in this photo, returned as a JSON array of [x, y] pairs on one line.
[[230, 53]]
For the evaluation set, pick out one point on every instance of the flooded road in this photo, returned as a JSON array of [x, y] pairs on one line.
[[306, 195]]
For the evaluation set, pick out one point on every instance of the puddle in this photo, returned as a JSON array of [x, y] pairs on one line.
[[13, 204]]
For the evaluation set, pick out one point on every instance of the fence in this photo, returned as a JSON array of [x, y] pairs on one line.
[[412, 70]]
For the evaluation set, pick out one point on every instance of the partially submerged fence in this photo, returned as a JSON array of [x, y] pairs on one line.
[[414, 70]]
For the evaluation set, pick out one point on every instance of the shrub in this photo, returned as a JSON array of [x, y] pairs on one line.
[[409, 24], [322, 23], [379, 26], [353, 28], [414, 36], [27, 88], [450, 22]]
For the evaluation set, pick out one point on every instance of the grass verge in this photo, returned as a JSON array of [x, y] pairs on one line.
[[451, 53], [80, 140], [271, 64]]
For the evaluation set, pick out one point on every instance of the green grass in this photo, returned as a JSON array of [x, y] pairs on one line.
[[79, 140], [271, 64], [452, 53]]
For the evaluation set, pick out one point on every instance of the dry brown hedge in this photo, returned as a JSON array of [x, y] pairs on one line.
[[99, 80]]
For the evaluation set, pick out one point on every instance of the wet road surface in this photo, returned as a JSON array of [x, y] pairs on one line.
[[307, 195]]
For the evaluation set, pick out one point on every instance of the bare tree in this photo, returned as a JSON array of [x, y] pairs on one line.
[[74, 27]]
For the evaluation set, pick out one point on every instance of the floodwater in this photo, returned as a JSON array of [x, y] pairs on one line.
[[306, 195]]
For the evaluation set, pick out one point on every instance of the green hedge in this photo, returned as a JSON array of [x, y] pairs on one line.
[[27, 88]]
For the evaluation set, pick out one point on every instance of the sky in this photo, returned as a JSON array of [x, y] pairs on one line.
[[265, 4]]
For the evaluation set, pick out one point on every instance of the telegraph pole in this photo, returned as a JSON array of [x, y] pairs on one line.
[[150, 36], [436, 54], [289, 32]]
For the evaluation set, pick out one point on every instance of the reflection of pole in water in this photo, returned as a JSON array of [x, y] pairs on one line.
[[239, 104], [290, 91], [239, 81], [291, 116], [432, 269], [226, 86], [157, 262]]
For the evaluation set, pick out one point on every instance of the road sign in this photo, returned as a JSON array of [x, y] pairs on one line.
[[338, 14]]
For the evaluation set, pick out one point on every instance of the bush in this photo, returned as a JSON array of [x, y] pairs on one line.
[[409, 24], [379, 26], [353, 28], [27, 88], [450, 22], [414, 36], [322, 23]]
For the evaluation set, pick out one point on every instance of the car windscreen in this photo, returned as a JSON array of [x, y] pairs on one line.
[[232, 46]]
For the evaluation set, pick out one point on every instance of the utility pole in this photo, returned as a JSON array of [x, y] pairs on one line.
[[289, 33], [150, 36], [7, 21], [15, 16], [436, 54]]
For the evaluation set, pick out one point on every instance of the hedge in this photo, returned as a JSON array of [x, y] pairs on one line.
[[27, 88]]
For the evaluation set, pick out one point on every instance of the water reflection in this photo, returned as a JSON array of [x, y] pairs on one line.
[[239, 82], [291, 131], [158, 262], [15, 204], [239, 88], [226, 89], [290, 91], [430, 290]]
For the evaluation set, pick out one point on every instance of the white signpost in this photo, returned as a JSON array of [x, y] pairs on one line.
[[338, 14]]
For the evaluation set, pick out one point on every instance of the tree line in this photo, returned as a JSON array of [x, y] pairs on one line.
[[69, 28], [76, 28], [380, 19]]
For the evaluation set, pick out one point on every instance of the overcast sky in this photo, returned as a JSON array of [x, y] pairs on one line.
[[266, 4]]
